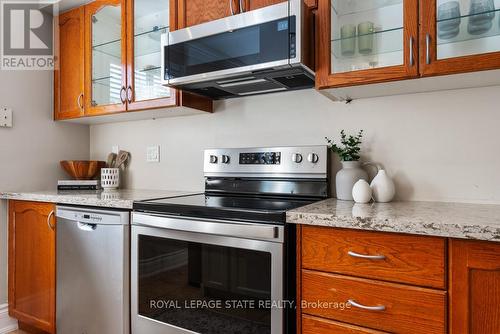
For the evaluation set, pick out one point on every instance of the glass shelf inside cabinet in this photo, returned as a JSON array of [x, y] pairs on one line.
[[148, 42], [366, 34], [345, 7], [109, 48], [387, 50], [471, 34]]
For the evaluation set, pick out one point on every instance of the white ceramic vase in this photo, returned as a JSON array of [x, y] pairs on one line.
[[345, 179], [362, 192], [383, 187]]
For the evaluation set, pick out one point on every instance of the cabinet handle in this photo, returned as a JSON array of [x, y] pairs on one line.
[[129, 94], [231, 7], [242, 6], [369, 308], [79, 101], [48, 219], [122, 93], [427, 49], [411, 52], [363, 256]]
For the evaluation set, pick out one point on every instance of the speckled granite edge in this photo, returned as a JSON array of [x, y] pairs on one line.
[[72, 200], [119, 199], [453, 220]]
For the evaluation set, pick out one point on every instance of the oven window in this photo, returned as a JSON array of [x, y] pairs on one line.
[[204, 288], [262, 43]]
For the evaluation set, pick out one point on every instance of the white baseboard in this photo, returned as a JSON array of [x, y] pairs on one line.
[[7, 324]]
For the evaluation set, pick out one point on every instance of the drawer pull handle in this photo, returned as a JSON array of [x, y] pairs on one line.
[[371, 257], [370, 308]]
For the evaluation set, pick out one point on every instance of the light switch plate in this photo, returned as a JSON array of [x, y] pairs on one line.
[[153, 153], [5, 117], [115, 149]]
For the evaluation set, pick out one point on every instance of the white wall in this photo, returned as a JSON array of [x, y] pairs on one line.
[[440, 146], [30, 151]]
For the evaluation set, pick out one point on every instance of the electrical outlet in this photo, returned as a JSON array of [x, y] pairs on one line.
[[115, 149], [153, 153], [5, 117]]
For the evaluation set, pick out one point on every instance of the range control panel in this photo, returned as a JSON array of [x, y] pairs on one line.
[[298, 161], [260, 158]]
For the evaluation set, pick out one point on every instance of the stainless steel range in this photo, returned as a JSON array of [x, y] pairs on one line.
[[223, 261]]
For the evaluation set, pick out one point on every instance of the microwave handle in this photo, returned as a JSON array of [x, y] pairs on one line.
[[241, 230]]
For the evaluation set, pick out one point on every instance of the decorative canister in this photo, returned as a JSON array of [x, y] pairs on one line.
[[345, 179], [110, 178]]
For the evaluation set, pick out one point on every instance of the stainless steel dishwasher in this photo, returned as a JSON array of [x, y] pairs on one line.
[[92, 271]]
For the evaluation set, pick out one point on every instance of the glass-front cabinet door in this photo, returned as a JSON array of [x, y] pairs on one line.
[[105, 57], [366, 41], [459, 36], [147, 20]]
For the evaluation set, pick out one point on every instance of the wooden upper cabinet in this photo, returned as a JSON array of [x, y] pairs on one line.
[[32, 264], [459, 36], [474, 287], [364, 42], [256, 4], [69, 73], [193, 12], [146, 22], [105, 57]]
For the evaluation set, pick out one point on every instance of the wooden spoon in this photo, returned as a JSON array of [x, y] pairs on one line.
[[111, 160]]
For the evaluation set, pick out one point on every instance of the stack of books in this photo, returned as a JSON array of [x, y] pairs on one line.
[[78, 185]]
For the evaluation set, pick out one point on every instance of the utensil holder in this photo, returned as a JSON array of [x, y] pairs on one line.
[[110, 178]]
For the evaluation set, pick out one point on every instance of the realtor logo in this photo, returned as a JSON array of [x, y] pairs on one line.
[[27, 34]]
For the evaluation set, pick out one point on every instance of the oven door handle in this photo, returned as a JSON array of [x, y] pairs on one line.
[[239, 230]]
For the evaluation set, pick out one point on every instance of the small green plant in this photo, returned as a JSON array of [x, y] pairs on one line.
[[349, 151]]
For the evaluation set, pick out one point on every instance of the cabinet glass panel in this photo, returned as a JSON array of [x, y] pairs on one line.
[[151, 19], [467, 27], [366, 34], [106, 56]]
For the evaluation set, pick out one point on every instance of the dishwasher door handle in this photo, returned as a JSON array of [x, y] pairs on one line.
[[87, 227]]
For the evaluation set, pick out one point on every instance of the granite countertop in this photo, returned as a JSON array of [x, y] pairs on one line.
[[122, 198], [454, 220]]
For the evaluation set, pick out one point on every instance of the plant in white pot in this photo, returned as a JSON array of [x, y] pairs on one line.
[[351, 172]]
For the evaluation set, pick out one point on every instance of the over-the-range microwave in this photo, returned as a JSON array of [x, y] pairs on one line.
[[260, 51]]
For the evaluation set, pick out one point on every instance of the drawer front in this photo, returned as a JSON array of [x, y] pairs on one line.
[[407, 309], [392, 257], [313, 325]]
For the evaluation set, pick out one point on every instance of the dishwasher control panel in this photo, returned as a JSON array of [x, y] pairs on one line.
[[90, 216]]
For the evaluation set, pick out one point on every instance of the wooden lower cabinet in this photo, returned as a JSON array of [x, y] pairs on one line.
[[417, 294], [396, 308], [315, 325], [474, 287], [32, 264]]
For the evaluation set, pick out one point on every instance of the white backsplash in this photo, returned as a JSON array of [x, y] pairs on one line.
[[438, 146]]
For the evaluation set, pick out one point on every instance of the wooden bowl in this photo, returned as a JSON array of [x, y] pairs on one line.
[[82, 169]]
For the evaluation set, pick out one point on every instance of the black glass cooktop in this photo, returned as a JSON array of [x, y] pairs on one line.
[[245, 208]]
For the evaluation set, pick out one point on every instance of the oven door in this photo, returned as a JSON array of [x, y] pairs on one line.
[[190, 276], [265, 38]]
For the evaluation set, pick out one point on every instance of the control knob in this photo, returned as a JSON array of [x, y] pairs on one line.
[[313, 158], [213, 159], [297, 158], [225, 159]]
